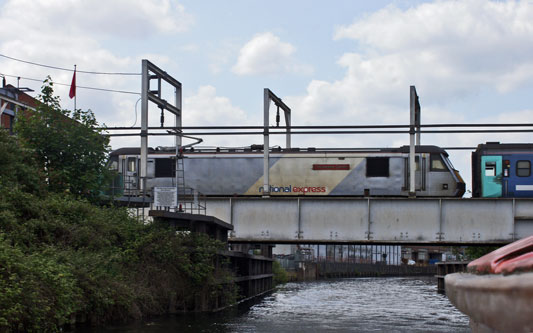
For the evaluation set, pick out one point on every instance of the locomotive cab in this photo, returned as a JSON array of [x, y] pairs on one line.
[[435, 175]]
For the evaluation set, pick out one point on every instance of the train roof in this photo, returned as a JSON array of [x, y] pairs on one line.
[[495, 147], [259, 149]]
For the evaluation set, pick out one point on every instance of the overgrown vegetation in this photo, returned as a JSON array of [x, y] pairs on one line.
[[280, 274], [474, 252], [68, 144], [62, 257]]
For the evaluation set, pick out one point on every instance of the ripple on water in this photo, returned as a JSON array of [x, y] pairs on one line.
[[362, 304]]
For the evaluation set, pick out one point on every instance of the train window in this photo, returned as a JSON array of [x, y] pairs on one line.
[[377, 166], [164, 167], [437, 164], [523, 168], [132, 164], [490, 170]]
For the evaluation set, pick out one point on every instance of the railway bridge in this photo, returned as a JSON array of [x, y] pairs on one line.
[[432, 221], [336, 220]]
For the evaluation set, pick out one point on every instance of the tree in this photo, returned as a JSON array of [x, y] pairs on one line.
[[68, 144], [18, 167], [474, 252]]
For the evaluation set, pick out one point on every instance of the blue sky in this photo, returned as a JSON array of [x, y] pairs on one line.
[[336, 62]]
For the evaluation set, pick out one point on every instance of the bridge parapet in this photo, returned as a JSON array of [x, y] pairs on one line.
[[375, 220]]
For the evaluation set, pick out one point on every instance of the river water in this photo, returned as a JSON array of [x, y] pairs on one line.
[[357, 305]]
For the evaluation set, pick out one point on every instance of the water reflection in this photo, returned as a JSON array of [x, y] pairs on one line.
[[358, 305]]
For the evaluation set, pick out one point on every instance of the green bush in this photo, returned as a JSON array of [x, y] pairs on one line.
[[280, 274], [474, 252], [63, 257], [68, 145], [37, 292]]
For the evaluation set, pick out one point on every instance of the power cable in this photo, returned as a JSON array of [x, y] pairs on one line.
[[326, 132], [135, 123], [327, 127], [68, 85], [67, 69]]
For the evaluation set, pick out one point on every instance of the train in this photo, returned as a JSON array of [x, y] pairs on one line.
[[502, 170], [499, 170], [216, 172]]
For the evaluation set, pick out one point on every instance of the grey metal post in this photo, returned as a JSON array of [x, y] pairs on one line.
[[288, 124], [230, 211], [155, 97], [299, 220], [177, 125], [369, 221], [412, 166], [144, 122], [440, 234], [417, 119], [266, 149], [178, 117]]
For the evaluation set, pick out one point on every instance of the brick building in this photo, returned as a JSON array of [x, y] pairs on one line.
[[12, 101]]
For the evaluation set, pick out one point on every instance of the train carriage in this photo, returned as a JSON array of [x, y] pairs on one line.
[[502, 170], [295, 172]]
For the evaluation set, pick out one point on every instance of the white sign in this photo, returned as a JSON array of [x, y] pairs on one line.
[[165, 197]]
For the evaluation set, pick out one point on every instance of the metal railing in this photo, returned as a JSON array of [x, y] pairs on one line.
[[125, 189], [189, 201]]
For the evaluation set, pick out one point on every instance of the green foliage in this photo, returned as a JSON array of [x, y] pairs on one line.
[[37, 292], [17, 166], [63, 257], [70, 149], [68, 257], [280, 275], [474, 252]]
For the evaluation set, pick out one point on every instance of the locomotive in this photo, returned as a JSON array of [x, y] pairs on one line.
[[502, 170], [293, 171]]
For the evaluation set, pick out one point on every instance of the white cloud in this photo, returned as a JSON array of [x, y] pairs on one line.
[[64, 33], [221, 55], [265, 53], [205, 108], [448, 49], [122, 18], [456, 45]]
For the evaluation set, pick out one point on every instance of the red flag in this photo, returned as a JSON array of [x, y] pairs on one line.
[[72, 92]]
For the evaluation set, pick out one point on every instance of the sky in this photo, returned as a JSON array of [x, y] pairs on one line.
[[338, 62]]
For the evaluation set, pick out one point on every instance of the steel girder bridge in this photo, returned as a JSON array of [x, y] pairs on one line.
[[434, 221]]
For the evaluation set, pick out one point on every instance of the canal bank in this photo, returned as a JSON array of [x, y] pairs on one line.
[[250, 267]]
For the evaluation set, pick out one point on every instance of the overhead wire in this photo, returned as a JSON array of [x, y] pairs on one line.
[[67, 69], [135, 123], [328, 127], [81, 87], [324, 132]]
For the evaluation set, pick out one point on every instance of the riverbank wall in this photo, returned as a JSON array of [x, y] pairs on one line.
[[249, 265]]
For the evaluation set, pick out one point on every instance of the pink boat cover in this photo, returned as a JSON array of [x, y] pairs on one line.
[[515, 257]]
